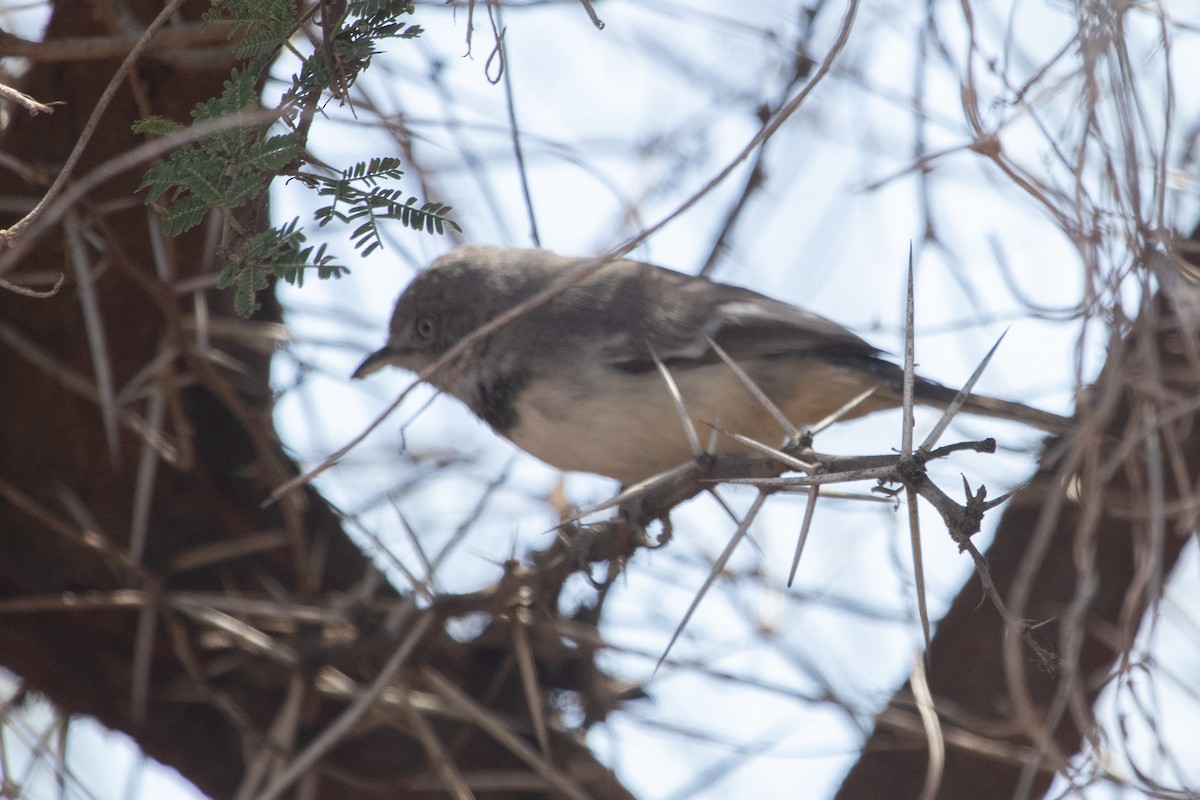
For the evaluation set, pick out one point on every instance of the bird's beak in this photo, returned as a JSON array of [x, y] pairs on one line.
[[375, 362]]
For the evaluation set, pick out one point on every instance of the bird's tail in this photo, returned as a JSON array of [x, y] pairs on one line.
[[935, 394]]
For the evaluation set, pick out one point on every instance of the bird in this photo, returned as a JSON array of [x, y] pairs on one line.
[[577, 381]]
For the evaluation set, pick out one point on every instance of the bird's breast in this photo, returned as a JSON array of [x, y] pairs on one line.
[[626, 426]]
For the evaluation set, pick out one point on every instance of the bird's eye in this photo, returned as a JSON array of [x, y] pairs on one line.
[[423, 327]]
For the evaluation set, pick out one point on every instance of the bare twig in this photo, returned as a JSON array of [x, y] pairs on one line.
[[89, 128], [340, 727], [20, 98], [469, 709]]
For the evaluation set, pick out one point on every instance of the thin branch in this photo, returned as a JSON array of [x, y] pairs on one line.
[[89, 128], [95, 48], [28, 103]]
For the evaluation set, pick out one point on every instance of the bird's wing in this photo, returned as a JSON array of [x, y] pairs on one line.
[[683, 312], [758, 325]]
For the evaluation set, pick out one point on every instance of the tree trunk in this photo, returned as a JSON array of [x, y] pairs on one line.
[[142, 582]]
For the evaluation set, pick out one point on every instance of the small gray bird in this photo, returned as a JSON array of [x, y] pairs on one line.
[[574, 380]]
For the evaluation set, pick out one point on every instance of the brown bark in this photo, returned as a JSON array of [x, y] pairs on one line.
[[163, 644]]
